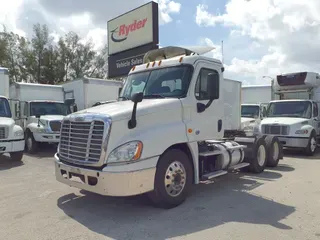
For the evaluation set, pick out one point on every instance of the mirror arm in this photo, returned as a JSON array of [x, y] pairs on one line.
[[133, 121], [38, 122]]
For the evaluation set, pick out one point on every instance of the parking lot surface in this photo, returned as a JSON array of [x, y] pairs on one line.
[[282, 203]]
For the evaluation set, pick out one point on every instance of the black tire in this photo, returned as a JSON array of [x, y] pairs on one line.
[[309, 150], [160, 196], [274, 150], [257, 166], [16, 156], [32, 145]]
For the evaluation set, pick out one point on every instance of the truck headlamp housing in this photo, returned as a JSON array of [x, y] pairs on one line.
[[19, 133], [127, 152], [302, 131]]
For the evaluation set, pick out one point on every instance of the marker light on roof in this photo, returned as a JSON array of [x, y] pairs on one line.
[[147, 65], [153, 63], [180, 60], [133, 68], [159, 63]]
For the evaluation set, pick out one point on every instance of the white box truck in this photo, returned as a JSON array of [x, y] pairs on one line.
[[11, 135], [295, 117], [91, 91], [254, 102], [165, 134], [42, 109]]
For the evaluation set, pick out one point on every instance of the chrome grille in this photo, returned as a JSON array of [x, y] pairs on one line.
[[81, 141], [275, 129], [55, 126], [3, 132]]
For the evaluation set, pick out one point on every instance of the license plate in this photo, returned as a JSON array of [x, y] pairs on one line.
[[75, 170]]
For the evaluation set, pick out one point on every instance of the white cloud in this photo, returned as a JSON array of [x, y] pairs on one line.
[[289, 31], [86, 18]]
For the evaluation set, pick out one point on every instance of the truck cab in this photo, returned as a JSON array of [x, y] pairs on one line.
[[295, 117], [11, 135], [164, 134], [251, 116], [42, 122]]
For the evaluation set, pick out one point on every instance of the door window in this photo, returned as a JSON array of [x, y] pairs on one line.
[[201, 84]]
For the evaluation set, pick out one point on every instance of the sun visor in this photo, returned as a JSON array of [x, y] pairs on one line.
[[173, 51]]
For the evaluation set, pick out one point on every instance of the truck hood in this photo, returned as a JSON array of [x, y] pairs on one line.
[[121, 110], [283, 120], [247, 120], [6, 121], [52, 117]]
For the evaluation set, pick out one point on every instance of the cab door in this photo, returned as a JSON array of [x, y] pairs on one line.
[[204, 120]]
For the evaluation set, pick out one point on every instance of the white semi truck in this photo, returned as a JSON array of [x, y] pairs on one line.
[[11, 135], [42, 109], [165, 134], [295, 117]]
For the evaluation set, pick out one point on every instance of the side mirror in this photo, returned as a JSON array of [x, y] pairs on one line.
[[213, 86], [75, 108], [38, 115], [137, 97]]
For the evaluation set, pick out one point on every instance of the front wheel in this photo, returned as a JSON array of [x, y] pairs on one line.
[[173, 179], [16, 156], [274, 150], [31, 143], [259, 156], [312, 145]]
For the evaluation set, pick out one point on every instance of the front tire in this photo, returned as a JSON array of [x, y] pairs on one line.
[[173, 179], [312, 144], [16, 156], [31, 144]]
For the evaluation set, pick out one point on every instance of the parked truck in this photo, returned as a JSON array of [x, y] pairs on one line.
[[11, 135], [254, 99], [166, 133], [42, 109], [295, 117], [89, 91]]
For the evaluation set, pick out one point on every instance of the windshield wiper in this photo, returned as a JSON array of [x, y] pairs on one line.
[[124, 98], [154, 96]]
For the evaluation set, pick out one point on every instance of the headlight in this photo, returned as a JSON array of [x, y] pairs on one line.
[[302, 131], [41, 130], [127, 152], [19, 133]]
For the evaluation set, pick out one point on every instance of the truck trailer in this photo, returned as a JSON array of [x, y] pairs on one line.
[[295, 117], [11, 134], [89, 91], [166, 133]]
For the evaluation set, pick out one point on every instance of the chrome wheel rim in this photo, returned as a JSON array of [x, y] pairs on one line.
[[175, 179], [261, 155], [276, 151], [313, 144], [29, 143]]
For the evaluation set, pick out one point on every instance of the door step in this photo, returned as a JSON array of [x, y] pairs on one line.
[[215, 174], [238, 166]]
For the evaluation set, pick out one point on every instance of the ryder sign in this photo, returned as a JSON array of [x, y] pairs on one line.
[[133, 29]]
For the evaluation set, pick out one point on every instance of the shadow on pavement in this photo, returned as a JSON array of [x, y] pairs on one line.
[[208, 206], [299, 154], [283, 168], [6, 163], [45, 151]]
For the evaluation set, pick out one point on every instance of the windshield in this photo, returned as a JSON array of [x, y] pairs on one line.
[[48, 108], [299, 109], [165, 82], [250, 111], [5, 108]]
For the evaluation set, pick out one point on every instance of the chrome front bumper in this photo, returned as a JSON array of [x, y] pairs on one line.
[[109, 181], [294, 142]]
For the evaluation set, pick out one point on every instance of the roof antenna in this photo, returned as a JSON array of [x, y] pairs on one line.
[[222, 58]]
